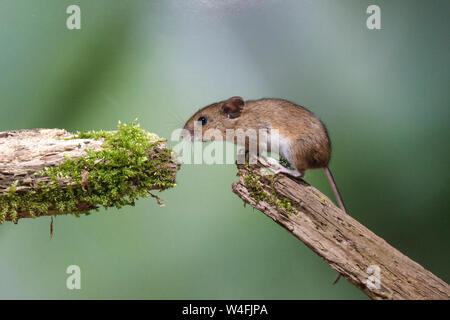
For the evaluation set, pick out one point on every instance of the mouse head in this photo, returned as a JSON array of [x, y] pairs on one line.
[[218, 116]]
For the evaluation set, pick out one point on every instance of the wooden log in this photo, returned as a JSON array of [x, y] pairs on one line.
[[364, 259], [27, 155]]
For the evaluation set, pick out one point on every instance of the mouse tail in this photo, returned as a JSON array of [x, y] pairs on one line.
[[338, 198], [335, 189]]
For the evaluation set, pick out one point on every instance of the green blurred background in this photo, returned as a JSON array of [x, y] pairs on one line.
[[383, 95]]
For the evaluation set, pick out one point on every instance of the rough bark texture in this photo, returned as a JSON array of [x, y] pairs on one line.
[[25, 152], [345, 244]]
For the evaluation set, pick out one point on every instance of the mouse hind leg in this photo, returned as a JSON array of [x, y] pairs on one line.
[[277, 167]]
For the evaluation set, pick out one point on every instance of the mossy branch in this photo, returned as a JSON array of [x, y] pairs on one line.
[[52, 171], [363, 258]]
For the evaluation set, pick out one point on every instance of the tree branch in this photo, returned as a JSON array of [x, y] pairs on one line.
[[51, 171], [345, 244]]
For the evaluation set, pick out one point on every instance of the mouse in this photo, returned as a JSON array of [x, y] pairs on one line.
[[303, 138]]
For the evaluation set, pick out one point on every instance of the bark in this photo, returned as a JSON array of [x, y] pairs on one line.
[[345, 244]]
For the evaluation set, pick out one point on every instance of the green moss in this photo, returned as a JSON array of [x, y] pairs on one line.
[[273, 198], [286, 163], [322, 199], [115, 176]]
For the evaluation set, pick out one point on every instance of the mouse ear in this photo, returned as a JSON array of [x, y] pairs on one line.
[[233, 106]]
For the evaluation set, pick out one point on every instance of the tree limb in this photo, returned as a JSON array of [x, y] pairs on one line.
[[345, 244], [28, 188]]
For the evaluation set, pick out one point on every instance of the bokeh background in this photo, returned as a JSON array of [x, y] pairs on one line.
[[384, 95]]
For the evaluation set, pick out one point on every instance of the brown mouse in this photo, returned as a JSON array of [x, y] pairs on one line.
[[303, 138]]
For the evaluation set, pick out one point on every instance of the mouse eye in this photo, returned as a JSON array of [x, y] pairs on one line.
[[203, 120]]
